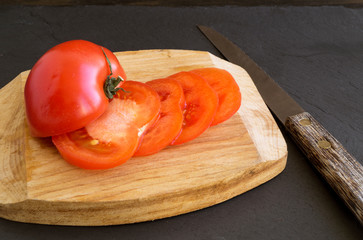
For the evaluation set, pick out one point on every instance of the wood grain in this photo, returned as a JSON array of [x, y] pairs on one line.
[[340, 169], [12, 146], [38, 186]]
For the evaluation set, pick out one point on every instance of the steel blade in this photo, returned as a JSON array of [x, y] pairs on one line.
[[279, 102]]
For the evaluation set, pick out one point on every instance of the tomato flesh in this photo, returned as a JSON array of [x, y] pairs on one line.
[[229, 95], [170, 121], [145, 102], [80, 149], [113, 138], [201, 105], [64, 90]]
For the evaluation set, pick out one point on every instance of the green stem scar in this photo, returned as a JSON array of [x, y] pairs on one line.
[[110, 86]]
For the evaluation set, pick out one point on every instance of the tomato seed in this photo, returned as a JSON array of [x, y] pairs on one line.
[[94, 142]]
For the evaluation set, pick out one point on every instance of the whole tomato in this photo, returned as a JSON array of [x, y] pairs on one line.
[[70, 86]]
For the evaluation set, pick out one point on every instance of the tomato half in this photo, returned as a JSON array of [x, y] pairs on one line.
[[201, 105], [65, 88], [113, 138], [229, 95], [170, 121]]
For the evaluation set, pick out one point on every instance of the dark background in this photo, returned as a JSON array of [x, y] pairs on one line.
[[350, 3], [314, 53]]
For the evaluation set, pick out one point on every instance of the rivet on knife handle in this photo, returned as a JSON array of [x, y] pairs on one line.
[[340, 169]]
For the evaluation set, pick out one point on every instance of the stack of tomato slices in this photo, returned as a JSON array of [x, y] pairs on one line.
[[138, 119]]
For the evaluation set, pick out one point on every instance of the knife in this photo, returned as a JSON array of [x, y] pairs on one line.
[[339, 168]]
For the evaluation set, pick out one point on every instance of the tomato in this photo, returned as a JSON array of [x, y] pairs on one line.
[[80, 149], [201, 105], [113, 138], [65, 88], [227, 89], [170, 121]]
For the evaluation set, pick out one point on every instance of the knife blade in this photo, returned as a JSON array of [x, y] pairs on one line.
[[338, 167]]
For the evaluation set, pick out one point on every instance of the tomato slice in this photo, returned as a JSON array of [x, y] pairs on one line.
[[227, 89], [201, 105], [114, 137], [170, 121], [144, 100], [80, 149]]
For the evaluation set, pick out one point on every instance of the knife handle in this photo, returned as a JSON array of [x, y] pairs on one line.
[[340, 169]]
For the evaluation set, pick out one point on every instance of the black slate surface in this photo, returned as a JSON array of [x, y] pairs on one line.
[[314, 53]]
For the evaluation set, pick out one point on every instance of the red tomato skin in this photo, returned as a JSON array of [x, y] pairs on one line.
[[169, 124], [112, 139], [64, 90], [106, 156], [143, 95], [201, 106], [229, 95]]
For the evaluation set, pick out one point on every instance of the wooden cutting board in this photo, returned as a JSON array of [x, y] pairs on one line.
[[38, 186]]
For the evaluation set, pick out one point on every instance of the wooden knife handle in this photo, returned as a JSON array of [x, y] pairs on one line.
[[340, 169]]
